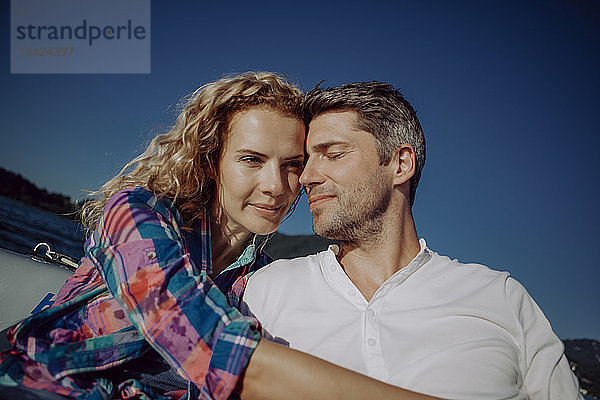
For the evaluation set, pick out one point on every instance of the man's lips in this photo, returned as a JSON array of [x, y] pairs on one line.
[[316, 200]]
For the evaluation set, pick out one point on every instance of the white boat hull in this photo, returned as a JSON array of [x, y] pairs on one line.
[[28, 285]]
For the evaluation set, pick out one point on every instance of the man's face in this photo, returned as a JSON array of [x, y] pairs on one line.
[[348, 191]]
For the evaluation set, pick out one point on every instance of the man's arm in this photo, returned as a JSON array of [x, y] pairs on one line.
[[279, 373], [546, 372]]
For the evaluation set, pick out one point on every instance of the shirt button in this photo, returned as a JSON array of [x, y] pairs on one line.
[[371, 313], [371, 342], [151, 255]]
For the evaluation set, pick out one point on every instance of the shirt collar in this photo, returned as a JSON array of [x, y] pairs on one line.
[[247, 257], [422, 245], [422, 257]]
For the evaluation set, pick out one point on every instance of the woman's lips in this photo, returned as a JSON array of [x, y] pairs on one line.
[[266, 210]]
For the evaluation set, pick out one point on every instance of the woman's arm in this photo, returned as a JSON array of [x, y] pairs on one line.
[[140, 253], [277, 372]]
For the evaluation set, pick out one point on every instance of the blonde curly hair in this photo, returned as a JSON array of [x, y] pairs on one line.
[[177, 164]]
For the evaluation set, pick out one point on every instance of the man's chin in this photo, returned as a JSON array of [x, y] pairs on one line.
[[317, 228], [325, 231]]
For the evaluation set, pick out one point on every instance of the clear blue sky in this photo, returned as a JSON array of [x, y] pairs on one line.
[[507, 93]]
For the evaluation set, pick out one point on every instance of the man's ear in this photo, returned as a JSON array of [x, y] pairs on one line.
[[404, 164]]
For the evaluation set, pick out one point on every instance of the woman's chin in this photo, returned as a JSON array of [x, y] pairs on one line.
[[266, 231], [265, 227]]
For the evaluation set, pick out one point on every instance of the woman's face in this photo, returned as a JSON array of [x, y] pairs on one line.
[[259, 169]]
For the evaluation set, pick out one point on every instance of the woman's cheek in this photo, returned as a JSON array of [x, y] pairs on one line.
[[294, 182]]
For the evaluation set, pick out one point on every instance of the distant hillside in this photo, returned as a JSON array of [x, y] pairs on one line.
[[584, 358], [15, 187], [284, 246]]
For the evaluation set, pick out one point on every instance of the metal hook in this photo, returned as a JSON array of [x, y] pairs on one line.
[[56, 257]]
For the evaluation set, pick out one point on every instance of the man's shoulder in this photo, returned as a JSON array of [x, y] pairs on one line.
[[491, 289], [474, 272]]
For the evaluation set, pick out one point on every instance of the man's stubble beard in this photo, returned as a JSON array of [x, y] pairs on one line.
[[358, 214]]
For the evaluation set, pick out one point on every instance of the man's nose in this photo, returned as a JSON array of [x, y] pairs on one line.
[[311, 175]]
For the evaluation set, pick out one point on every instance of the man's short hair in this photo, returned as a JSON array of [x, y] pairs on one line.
[[382, 111]]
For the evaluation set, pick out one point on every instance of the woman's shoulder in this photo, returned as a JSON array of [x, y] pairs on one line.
[[141, 199], [138, 196]]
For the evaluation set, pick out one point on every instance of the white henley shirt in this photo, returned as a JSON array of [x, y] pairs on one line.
[[437, 326]]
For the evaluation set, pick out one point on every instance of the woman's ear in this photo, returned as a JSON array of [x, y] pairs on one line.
[[211, 172], [404, 163]]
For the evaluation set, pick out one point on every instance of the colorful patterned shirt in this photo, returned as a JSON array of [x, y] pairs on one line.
[[143, 284]]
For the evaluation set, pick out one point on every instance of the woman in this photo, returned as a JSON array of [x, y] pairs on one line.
[[145, 315]]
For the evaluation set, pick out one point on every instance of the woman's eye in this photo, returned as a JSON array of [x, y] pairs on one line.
[[251, 159]]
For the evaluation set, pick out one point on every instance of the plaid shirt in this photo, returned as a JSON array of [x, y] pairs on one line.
[[143, 282]]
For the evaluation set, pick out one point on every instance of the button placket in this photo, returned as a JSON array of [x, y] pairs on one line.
[[371, 331], [337, 279], [374, 355]]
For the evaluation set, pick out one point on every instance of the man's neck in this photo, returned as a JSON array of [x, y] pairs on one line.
[[374, 260]]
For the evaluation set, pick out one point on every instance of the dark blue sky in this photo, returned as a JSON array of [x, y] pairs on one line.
[[507, 93]]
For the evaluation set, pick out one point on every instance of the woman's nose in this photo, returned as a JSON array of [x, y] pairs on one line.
[[272, 181]]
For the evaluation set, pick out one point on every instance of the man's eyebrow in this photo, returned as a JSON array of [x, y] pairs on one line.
[[319, 147]]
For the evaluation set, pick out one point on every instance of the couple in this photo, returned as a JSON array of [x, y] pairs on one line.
[[152, 311]]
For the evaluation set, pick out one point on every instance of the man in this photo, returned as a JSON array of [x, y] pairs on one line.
[[384, 304]]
